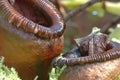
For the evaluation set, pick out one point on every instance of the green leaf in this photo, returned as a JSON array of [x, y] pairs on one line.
[[7, 73], [111, 7], [115, 35]]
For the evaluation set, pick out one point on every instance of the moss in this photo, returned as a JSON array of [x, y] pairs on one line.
[[7, 73]]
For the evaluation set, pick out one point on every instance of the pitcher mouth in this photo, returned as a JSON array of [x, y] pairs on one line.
[[39, 17], [29, 10]]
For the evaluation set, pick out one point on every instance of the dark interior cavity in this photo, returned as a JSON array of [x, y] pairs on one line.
[[29, 10]]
